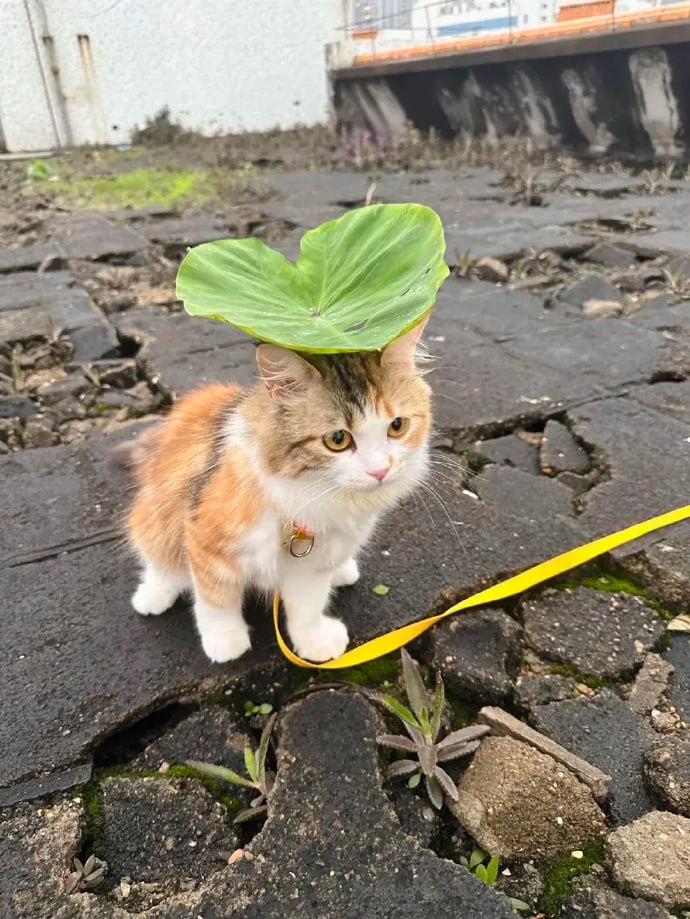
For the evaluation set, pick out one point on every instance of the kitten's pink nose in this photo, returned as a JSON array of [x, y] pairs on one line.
[[379, 474]]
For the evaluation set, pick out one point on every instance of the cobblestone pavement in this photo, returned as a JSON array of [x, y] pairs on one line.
[[562, 406]]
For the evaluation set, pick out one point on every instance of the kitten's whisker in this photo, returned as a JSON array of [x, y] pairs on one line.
[[443, 507], [417, 497], [443, 395]]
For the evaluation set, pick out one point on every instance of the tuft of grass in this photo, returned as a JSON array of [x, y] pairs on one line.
[[138, 188], [165, 187], [558, 875]]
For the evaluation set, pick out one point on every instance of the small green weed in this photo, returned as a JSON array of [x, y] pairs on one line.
[[423, 725], [485, 868], [260, 777], [262, 708]]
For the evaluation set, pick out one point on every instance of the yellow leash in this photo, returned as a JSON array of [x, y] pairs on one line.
[[544, 571]]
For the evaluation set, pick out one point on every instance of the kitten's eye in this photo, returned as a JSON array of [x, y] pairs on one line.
[[338, 440], [398, 427]]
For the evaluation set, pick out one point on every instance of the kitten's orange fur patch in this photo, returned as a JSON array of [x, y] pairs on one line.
[[167, 525]]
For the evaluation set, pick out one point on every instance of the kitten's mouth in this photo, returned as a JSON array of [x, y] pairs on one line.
[[377, 484]]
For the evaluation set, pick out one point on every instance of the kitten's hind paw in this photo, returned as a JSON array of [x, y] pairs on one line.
[[150, 600], [347, 574], [158, 590]]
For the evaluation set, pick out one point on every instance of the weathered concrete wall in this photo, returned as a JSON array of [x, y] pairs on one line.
[[625, 94], [91, 71]]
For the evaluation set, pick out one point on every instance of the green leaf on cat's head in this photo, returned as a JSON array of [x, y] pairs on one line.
[[360, 281]]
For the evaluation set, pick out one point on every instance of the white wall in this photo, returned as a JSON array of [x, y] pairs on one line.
[[218, 65]]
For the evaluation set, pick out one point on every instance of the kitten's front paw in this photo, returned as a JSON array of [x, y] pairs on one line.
[[326, 639], [347, 574], [152, 600], [222, 645]]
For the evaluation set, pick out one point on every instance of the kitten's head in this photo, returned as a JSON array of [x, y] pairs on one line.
[[356, 423]]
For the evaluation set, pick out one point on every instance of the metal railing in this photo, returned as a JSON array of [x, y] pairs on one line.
[[371, 38]]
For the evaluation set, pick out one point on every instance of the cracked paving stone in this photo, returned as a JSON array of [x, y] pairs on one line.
[[509, 450], [488, 387], [560, 452], [209, 735], [667, 771], [51, 302], [540, 690], [499, 313], [417, 817], [29, 289], [72, 620], [646, 451], [37, 846], [478, 654], [666, 241], [185, 231], [649, 858], [608, 353], [17, 407], [596, 901], [182, 354], [651, 684], [679, 688], [91, 236], [519, 803], [76, 491], [26, 258], [606, 733], [163, 830], [332, 846], [610, 256], [591, 287], [602, 634]]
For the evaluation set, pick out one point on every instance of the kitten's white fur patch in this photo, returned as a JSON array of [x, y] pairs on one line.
[[158, 591], [224, 633]]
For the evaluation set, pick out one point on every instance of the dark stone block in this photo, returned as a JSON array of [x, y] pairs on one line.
[[606, 733], [163, 830], [560, 452], [605, 635], [591, 287], [478, 654]]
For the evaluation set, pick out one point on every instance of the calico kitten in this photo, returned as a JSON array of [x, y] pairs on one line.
[[276, 487]]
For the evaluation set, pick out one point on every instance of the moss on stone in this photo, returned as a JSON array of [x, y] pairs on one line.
[[379, 674], [92, 836], [558, 875], [605, 579], [570, 670], [91, 796]]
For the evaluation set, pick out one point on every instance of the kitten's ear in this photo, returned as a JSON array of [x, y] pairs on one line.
[[400, 353], [284, 372]]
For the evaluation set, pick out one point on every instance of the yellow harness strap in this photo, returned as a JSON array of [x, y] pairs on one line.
[[544, 571]]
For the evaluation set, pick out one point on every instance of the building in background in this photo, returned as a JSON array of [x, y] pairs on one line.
[[92, 71]]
